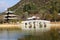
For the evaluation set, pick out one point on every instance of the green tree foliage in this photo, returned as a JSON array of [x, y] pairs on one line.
[[55, 15], [49, 17], [42, 6], [29, 7], [50, 6], [26, 8]]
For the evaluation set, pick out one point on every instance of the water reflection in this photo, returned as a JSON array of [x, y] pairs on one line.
[[11, 34], [15, 34]]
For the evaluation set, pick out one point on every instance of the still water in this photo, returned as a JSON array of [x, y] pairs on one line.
[[16, 34], [11, 34]]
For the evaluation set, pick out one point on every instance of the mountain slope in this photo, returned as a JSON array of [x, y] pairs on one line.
[[19, 6], [43, 7]]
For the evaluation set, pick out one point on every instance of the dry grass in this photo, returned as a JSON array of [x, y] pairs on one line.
[[10, 27], [55, 22], [17, 26], [55, 25]]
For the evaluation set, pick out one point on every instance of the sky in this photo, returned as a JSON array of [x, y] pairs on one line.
[[4, 4]]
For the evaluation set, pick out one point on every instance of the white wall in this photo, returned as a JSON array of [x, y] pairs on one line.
[[36, 25]]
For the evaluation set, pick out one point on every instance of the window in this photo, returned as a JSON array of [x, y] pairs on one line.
[[40, 25]]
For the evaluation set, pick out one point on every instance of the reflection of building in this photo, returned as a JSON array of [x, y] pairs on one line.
[[9, 17]]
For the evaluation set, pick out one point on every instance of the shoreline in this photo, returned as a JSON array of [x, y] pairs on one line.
[[17, 25]]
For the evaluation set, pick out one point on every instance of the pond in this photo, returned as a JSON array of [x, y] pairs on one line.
[[11, 34], [15, 34]]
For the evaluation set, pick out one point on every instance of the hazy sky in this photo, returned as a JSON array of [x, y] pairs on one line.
[[4, 4]]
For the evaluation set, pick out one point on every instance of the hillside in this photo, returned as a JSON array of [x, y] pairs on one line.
[[27, 7], [19, 6]]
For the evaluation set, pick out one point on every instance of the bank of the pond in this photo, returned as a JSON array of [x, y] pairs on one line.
[[14, 32], [10, 26], [18, 26], [55, 25]]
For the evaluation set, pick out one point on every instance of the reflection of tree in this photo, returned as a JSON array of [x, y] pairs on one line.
[[53, 34], [30, 25]]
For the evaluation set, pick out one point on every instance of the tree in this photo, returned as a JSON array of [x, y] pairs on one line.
[[29, 8], [55, 15], [49, 17], [26, 8], [54, 9]]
